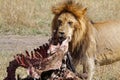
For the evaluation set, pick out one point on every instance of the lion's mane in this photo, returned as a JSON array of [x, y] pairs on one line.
[[81, 35]]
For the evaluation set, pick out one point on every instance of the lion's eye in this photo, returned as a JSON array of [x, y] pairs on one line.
[[59, 22], [70, 23]]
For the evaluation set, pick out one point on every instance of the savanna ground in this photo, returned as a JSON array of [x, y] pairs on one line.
[[25, 25]]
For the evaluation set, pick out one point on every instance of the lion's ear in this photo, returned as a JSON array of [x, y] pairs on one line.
[[81, 13], [84, 10]]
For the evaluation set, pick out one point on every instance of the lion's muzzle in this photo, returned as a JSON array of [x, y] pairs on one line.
[[61, 36]]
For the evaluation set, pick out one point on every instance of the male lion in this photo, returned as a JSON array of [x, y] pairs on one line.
[[90, 43]]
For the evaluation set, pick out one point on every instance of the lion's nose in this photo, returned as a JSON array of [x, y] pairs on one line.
[[61, 33]]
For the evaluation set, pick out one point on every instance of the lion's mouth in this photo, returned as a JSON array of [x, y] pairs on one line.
[[58, 40], [61, 39]]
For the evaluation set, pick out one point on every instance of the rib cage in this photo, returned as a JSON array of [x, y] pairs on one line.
[[34, 58]]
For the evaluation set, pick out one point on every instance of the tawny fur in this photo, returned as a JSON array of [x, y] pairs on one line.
[[98, 42], [70, 7], [81, 34]]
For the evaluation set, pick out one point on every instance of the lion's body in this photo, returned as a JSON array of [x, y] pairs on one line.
[[107, 41], [90, 42]]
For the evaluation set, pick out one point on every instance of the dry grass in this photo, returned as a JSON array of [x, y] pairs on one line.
[[101, 10], [19, 12], [11, 45], [29, 15], [37, 14], [33, 17]]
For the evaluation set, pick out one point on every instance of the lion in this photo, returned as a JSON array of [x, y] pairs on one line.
[[90, 43]]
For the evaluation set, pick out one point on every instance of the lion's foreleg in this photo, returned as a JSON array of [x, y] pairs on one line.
[[89, 62], [85, 65], [91, 67], [88, 68]]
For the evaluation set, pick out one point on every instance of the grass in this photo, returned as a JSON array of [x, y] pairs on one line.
[[4, 58], [107, 72], [23, 30], [24, 17], [37, 14], [33, 17]]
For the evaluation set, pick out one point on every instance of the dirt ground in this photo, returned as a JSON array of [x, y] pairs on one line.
[[13, 44], [20, 43]]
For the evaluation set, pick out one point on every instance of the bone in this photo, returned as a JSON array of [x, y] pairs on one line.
[[38, 61], [54, 48]]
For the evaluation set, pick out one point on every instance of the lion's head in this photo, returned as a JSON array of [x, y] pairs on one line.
[[70, 22]]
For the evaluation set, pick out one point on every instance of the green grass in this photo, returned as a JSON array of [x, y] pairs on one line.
[[22, 30]]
